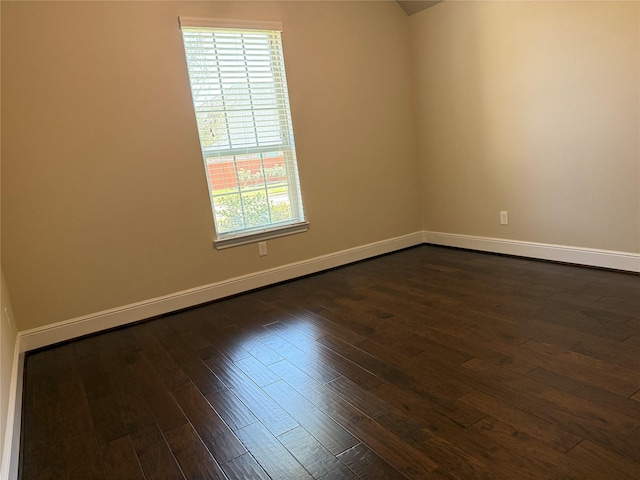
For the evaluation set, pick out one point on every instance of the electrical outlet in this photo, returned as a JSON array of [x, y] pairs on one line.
[[504, 217], [262, 248]]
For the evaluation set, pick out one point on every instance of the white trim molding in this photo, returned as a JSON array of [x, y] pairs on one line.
[[115, 317], [560, 253], [229, 24], [255, 237], [11, 451]]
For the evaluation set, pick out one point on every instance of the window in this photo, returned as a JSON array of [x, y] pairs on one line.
[[239, 91]]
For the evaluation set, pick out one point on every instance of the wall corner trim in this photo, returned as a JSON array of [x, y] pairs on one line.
[[11, 451], [96, 322], [560, 253]]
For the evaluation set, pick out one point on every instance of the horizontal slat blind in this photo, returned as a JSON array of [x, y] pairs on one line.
[[241, 104]]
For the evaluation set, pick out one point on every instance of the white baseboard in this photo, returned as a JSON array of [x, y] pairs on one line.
[[11, 451], [92, 323], [559, 253], [77, 327]]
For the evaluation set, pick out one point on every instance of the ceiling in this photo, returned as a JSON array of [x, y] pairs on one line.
[[413, 6]]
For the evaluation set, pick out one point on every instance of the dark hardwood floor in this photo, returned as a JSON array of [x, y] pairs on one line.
[[428, 363]]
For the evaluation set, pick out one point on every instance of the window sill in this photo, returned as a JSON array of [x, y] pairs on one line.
[[260, 236]]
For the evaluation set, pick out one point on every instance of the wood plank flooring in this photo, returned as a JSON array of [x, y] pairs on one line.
[[429, 363]]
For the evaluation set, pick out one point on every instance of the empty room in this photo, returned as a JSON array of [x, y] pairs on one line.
[[320, 240]]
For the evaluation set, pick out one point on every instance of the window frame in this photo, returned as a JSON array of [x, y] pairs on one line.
[[297, 223]]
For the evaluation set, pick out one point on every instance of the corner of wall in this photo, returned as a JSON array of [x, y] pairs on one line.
[[11, 435], [11, 360]]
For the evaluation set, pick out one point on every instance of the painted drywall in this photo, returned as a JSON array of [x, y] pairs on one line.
[[104, 198], [533, 108], [8, 337]]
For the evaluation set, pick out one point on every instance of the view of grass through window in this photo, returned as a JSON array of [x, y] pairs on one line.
[[256, 194]]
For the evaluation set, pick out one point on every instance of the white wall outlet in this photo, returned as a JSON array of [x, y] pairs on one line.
[[262, 248], [504, 217]]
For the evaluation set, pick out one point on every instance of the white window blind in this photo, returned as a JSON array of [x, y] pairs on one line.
[[241, 103]]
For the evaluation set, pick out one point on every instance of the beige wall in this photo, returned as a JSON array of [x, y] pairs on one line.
[[104, 198], [530, 107], [8, 336]]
